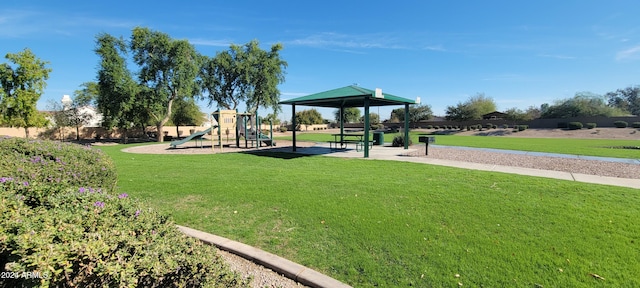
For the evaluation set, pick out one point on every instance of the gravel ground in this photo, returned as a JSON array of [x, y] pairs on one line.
[[262, 277], [582, 166]]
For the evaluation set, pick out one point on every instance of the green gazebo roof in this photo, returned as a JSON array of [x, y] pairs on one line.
[[349, 96]]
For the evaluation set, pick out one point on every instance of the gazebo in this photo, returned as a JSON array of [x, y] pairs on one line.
[[352, 96]]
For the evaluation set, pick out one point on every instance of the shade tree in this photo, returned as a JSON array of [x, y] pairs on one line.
[[472, 109], [244, 73], [22, 82]]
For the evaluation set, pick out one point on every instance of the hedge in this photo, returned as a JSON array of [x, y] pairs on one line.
[[70, 228]]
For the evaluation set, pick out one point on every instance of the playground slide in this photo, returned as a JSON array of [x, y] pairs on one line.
[[266, 140], [196, 135]]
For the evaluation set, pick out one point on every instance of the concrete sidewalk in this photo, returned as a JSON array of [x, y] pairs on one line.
[[396, 154]]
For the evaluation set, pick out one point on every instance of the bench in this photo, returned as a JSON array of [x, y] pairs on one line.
[[344, 143]]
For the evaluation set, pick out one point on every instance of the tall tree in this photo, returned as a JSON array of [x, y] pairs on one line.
[[472, 109], [374, 118], [168, 71], [244, 73], [87, 94], [350, 115], [627, 99], [416, 113], [186, 112], [266, 72], [22, 85], [117, 90], [583, 104], [76, 115], [308, 117]]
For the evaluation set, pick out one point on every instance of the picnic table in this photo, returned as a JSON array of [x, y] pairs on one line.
[[345, 138]]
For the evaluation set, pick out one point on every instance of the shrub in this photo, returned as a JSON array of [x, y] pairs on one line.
[[635, 124], [574, 125], [76, 234], [56, 163], [590, 125], [523, 127], [505, 126], [436, 127], [495, 126], [562, 125], [488, 125], [283, 129], [429, 126], [467, 128], [398, 141], [621, 124], [96, 239]]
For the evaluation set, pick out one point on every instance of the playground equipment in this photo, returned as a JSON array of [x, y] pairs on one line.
[[243, 126], [196, 135]]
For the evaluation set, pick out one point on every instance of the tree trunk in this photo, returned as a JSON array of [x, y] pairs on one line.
[[78, 133], [160, 136], [26, 132], [124, 136]]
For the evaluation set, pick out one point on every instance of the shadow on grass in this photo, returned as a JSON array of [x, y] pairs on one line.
[[279, 155]]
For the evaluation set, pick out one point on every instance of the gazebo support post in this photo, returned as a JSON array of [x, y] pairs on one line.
[[293, 121], [406, 126], [341, 123], [366, 127]]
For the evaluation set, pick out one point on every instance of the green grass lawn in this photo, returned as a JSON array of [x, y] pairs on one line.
[[387, 223], [591, 147]]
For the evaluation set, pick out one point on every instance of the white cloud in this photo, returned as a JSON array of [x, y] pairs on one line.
[[335, 40], [556, 56], [21, 23], [631, 53], [211, 42]]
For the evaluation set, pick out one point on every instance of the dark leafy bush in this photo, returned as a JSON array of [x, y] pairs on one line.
[[563, 125], [590, 125], [283, 129], [505, 126], [635, 124], [429, 126], [574, 125], [75, 234], [488, 125], [621, 124], [523, 127], [398, 141]]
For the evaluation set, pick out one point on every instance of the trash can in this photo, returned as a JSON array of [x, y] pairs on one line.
[[378, 138]]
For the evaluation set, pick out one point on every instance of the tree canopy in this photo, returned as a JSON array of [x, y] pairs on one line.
[[627, 99], [416, 113], [117, 91], [351, 114], [22, 85], [308, 117], [472, 109], [168, 70], [583, 104], [186, 112], [244, 73]]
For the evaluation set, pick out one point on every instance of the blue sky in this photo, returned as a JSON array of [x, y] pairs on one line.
[[518, 53]]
